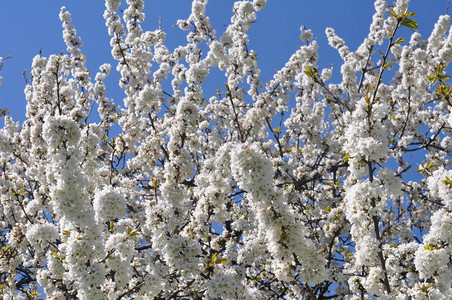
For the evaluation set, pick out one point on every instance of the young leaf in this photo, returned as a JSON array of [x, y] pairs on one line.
[[392, 12], [399, 41], [409, 23]]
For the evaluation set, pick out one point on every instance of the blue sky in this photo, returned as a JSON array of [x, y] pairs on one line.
[[27, 26]]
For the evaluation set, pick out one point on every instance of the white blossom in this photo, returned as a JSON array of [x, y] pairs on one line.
[[109, 204], [46, 232], [302, 186]]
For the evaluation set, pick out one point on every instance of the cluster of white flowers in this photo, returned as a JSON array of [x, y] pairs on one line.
[[112, 5], [276, 222], [109, 204], [42, 233], [177, 193], [440, 186], [61, 132], [377, 29]]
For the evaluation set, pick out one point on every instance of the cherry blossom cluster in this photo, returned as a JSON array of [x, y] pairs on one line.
[[172, 191]]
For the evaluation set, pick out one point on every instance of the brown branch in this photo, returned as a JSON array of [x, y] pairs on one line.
[[236, 116]]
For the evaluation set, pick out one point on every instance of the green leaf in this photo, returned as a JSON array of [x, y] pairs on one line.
[[425, 169], [393, 13], [399, 41], [448, 182], [131, 232], [431, 165], [134, 233], [347, 157], [310, 72], [432, 79], [155, 182], [222, 261], [429, 247], [425, 288], [391, 34], [411, 24], [228, 90], [111, 227]]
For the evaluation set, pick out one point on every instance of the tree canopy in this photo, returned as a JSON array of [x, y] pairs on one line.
[[295, 188]]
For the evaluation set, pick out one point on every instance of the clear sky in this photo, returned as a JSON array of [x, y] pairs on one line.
[[26, 26]]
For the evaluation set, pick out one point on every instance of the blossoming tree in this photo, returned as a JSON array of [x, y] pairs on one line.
[[174, 193]]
